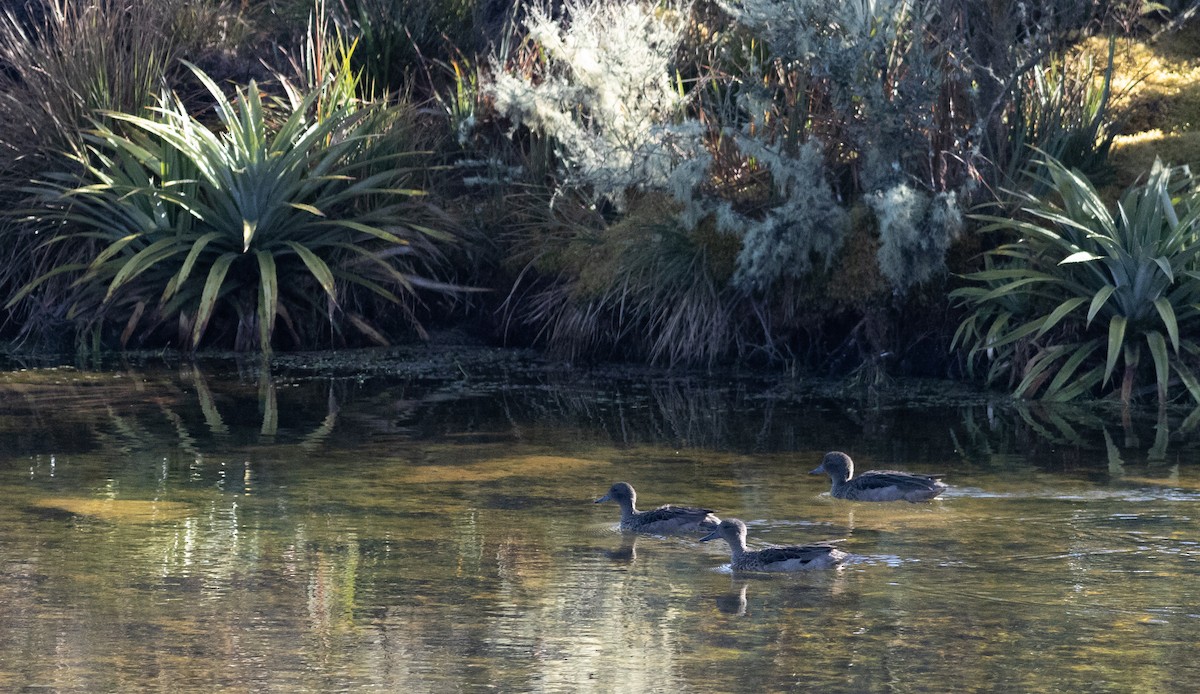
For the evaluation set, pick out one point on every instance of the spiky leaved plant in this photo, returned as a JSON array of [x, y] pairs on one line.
[[249, 224], [63, 62], [1082, 290]]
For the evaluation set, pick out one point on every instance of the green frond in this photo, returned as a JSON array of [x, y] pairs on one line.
[[1136, 267], [1116, 341], [1059, 313], [212, 290], [1167, 313], [1162, 369], [268, 298], [317, 193]]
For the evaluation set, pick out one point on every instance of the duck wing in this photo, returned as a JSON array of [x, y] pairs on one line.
[[801, 553], [878, 479], [674, 513]]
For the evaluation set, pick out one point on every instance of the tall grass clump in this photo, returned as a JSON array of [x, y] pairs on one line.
[[398, 40], [63, 64], [1084, 301], [286, 215], [641, 288], [67, 60]]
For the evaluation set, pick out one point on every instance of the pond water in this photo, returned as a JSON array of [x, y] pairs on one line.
[[172, 529]]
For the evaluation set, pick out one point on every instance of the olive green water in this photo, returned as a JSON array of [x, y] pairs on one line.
[[168, 531]]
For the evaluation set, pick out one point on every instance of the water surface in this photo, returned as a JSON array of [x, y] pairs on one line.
[[192, 530]]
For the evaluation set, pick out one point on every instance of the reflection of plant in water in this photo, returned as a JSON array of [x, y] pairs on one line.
[[217, 425], [986, 432], [138, 411], [681, 411]]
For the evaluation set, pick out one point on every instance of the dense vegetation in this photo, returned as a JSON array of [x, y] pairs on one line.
[[832, 187]]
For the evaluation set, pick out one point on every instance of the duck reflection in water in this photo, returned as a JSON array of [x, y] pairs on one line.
[[819, 555], [627, 552], [662, 520], [876, 485], [734, 602]]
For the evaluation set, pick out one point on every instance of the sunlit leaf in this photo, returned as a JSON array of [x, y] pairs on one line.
[[268, 298], [1080, 257], [1162, 371], [208, 300], [1116, 339], [318, 268], [1102, 295], [1167, 313]]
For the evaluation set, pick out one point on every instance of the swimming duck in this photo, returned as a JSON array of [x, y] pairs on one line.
[[664, 519], [876, 485], [819, 555]]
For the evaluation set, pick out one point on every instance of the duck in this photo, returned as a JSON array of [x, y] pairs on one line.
[[664, 519], [819, 555], [876, 485]]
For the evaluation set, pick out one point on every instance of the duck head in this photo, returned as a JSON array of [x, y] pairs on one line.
[[731, 530], [621, 492], [837, 465]]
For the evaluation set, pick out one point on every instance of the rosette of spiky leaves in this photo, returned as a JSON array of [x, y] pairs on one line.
[[1084, 290], [252, 222]]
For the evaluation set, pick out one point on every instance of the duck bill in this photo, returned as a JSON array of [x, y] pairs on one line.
[[818, 471], [711, 536], [606, 497]]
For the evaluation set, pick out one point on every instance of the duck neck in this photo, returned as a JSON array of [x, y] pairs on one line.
[[627, 509], [737, 547]]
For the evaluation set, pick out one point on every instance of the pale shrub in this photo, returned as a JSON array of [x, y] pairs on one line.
[[881, 84], [806, 224], [806, 29], [605, 93], [915, 232]]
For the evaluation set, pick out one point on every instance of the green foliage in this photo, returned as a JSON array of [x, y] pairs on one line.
[[325, 65], [397, 37], [644, 287], [65, 63], [1062, 108], [1083, 291], [243, 226]]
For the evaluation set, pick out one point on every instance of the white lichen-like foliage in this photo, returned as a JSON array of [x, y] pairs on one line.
[[915, 232], [845, 44], [606, 94], [801, 29], [808, 223]]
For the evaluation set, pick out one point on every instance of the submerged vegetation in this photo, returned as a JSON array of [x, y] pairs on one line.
[[824, 187]]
